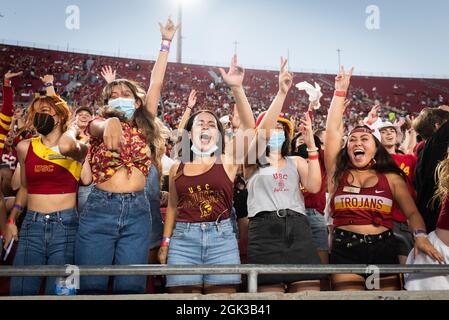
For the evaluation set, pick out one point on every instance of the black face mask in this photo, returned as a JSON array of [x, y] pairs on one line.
[[44, 123]]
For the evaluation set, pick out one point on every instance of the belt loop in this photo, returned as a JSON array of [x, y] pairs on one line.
[[58, 216], [35, 215], [281, 215]]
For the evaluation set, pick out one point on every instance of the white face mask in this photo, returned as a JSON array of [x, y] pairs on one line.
[[200, 153]]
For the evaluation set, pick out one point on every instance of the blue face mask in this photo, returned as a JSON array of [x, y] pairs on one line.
[[277, 139], [125, 105]]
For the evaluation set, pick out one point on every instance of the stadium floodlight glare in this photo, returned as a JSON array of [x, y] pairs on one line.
[[186, 2]]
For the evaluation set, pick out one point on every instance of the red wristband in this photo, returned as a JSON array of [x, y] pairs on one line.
[[7, 83], [315, 156], [165, 242], [10, 221], [340, 93]]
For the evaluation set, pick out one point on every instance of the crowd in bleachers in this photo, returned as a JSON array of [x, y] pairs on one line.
[[78, 80], [118, 152]]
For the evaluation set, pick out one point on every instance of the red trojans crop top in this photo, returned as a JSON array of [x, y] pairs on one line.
[[48, 172], [363, 206]]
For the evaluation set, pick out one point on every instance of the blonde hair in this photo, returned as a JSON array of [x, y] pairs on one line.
[[442, 178]]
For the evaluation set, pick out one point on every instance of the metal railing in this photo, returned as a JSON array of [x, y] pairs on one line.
[[251, 270]]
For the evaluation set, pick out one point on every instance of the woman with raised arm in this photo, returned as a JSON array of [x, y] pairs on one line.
[[198, 228], [364, 182], [279, 230], [116, 221], [49, 183]]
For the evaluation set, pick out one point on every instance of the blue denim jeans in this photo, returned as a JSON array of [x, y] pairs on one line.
[[44, 239], [153, 193], [114, 230], [319, 229], [203, 243], [83, 194]]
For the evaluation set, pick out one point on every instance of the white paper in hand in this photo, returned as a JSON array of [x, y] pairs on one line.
[[314, 93]]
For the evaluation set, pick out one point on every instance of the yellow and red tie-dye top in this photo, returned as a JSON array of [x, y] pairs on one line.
[[135, 153]]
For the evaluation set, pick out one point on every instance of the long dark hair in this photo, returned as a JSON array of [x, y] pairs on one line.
[[188, 128], [384, 161]]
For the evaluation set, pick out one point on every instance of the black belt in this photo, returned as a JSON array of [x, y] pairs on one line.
[[281, 213], [352, 239]]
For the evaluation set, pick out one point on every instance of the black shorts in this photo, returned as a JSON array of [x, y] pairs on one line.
[[282, 240], [355, 248]]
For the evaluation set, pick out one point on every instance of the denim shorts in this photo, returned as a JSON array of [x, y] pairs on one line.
[[319, 229], [203, 243]]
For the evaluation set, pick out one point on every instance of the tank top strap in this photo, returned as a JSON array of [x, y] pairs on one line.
[[180, 171], [382, 179], [30, 147]]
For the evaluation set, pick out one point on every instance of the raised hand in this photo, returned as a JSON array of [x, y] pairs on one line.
[[9, 75], [168, 30], [399, 122], [343, 79], [307, 131], [374, 112], [235, 75], [408, 121], [192, 99], [108, 74], [48, 78], [285, 77]]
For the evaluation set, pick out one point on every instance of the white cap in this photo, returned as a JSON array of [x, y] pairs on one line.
[[388, 124]]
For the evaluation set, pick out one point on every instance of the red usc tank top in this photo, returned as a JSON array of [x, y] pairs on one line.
[[363, 206], [48, 172], [205, 197]]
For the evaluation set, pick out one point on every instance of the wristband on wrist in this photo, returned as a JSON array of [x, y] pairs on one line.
[[312, 150], [165, 46], [7, 82], [340, 93], [165, 242], [419, 233], [315, 156], [10, 221], [48, 84], [18, 207]]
